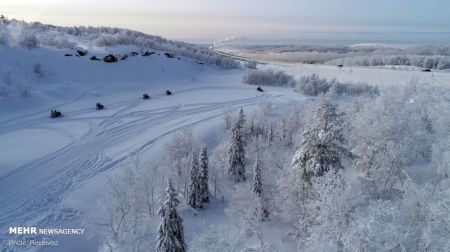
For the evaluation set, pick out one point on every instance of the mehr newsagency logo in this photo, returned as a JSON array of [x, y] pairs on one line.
[[45, 231], [42, 233]]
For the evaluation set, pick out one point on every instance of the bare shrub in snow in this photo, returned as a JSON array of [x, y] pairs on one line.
[[222, 238], [250, 65], [126, 216], [247, 207], [328, 205], [441, 62], [218, 163], [24, 91], [38, 71], [59, 41], [394, 131], [268, 77], [355, 89], [29, 41], [7, 79], [416, 222], [313, 85], [6, 84], [3, 36], [4, 90], [179, 151]]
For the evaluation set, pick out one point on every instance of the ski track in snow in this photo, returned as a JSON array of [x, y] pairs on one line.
[[33, 193]]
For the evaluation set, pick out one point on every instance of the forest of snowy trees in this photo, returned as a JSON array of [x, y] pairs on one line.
[[360, 174], [333, 166], [440, 62], [311, 85], [422, 56]]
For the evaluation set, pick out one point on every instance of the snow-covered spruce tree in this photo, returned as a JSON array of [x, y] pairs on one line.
[[170, 232], [322, 147], [241, 121], [283, 135], [257, 189], [270, 133], [194, 198], [245, 129], [204, 175], [251, 128], [236, 152]]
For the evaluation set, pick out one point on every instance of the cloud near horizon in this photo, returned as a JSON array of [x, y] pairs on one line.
[[213, 19]]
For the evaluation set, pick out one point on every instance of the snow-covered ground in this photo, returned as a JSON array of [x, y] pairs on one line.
[[52, 170], [44, 161]]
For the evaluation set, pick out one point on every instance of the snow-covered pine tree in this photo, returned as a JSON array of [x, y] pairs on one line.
[[323, 142], [241, 118], [270, 133], [204, 175], [236, 152], [252, 127], [245, 131], [283, 134], [257, 179], [258, 189], [170, 232], [194, 194]]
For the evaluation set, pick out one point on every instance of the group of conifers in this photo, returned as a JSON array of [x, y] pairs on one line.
[[56, 113]]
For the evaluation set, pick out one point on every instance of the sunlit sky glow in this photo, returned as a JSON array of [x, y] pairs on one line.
[[213, 19]]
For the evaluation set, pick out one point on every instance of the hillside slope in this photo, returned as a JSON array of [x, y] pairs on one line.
[[19, 33], [43, 159]]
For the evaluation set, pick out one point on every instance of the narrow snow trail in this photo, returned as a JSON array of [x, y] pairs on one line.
[[32, 193]]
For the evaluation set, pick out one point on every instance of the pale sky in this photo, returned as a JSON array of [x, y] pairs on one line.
[[213, 19]]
